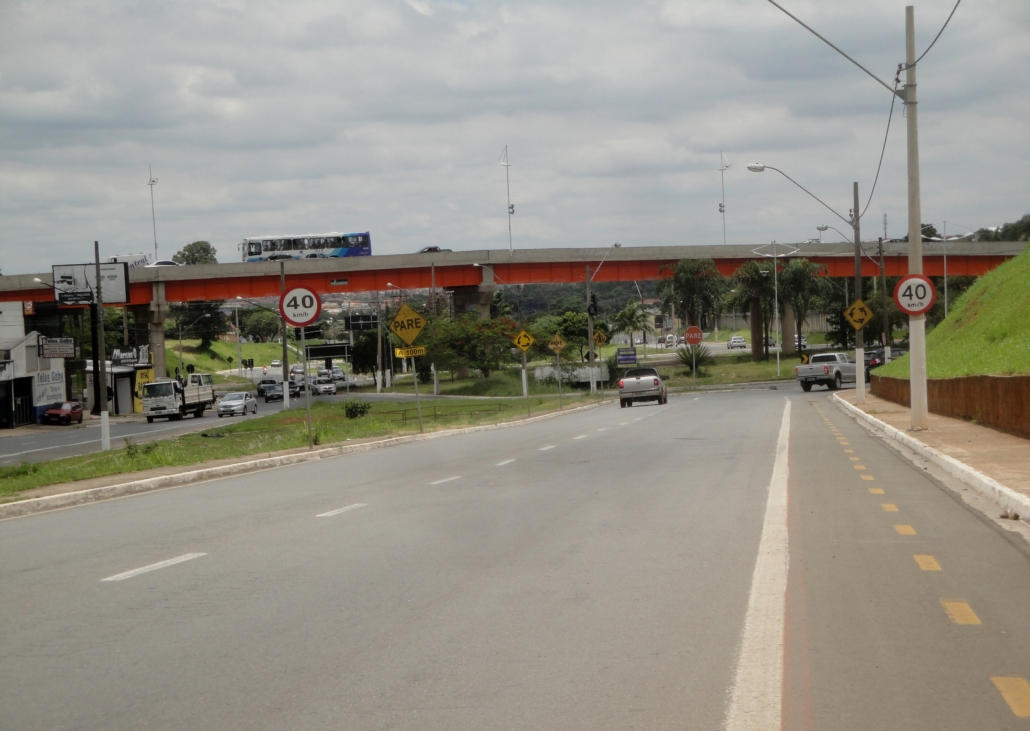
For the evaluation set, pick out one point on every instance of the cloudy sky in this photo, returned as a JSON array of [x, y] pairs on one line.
[[302, 117]]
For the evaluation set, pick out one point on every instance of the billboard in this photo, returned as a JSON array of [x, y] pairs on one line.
[[76, 284]]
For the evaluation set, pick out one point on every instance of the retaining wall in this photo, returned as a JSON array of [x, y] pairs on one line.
[[1000, 402]]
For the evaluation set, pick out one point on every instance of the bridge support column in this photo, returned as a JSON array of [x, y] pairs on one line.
[[476, 299], [157, 313], [787, 330]]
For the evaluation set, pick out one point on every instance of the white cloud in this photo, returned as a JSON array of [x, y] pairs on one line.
[[277, 117]]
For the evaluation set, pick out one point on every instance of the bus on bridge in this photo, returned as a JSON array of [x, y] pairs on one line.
[[308, 246]]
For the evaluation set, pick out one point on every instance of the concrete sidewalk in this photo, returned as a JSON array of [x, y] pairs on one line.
[[1002, 457]]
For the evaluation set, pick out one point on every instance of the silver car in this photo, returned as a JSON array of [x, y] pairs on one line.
[[324, 386], [237, 403]]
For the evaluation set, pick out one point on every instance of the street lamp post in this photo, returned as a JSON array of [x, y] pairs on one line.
[[153, 218], [777, 332], [855, 227], [591, 313], [207, 314]]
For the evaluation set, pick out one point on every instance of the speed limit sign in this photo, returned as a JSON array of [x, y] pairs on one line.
[[300, 306], [914, 294]]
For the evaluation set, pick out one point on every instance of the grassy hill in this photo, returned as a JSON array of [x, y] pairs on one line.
[[217, 357], [987, 331]]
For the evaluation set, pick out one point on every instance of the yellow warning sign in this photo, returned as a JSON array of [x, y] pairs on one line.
[[858, 314], [557, 343], [415, 352], [523, 341], [804, 359], [407, 324], [600, 338]]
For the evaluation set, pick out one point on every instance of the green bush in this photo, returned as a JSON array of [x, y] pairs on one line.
[[356, 408], [694, 354]]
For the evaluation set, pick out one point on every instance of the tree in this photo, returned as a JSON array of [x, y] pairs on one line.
[[629, 320], [259, 325], [364, 351], [693, 289], [800, 286], [194, 325], [199, 252], [753, 283]]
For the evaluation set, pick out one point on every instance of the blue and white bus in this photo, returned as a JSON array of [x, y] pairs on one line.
[[309, 246]]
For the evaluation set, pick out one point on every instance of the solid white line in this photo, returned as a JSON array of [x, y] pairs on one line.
[[331, 513], [507, 461], [581, 436], [544, 449], [446, 479], [154, 567], [756, 697]]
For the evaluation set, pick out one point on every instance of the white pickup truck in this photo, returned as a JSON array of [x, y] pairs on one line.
[[826, 369], [167, 398]]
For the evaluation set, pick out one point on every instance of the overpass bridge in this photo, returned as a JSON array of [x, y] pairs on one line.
[[472, 276]]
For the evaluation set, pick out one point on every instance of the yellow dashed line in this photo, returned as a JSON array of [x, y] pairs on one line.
[[849, 451], [853, 459], [959, 611], [905, 530], [859, 466], [845, 444], [875, 490], [867, 477], [889, 507], [1016, 692], [927, 563]]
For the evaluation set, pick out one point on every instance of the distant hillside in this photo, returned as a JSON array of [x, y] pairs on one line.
[[987, 331]]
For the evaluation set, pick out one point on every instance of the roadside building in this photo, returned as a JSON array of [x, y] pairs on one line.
[[29, 383]]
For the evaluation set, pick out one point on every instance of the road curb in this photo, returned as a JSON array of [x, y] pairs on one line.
[[135, 487], [1004, 497]]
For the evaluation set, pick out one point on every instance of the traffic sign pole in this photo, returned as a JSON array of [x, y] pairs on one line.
[[418, 403], [307, 386], [301, 307], [859, 336]]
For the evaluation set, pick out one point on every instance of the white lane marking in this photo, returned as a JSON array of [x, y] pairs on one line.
[[622, 424], [154, 567], [581, 436], [10, 455], [638, 418], [446, 479], [331, 513], [603, 428], [507, 461], [544, 449], [757, 691]]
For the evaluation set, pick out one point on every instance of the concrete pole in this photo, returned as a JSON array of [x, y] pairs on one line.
[[286, 349], [590, 338], [883, 306], [919, 411], [859, 336], [105, 423]]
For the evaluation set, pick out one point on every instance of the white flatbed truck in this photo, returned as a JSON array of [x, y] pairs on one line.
[[169, 399]]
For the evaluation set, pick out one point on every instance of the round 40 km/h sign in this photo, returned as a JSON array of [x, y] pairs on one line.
[[914, 294], [693, 335], [300, 306]]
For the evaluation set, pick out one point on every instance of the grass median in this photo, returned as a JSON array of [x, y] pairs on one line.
[[268, 434]]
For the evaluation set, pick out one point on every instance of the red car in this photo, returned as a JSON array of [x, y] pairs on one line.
[[63, 412]]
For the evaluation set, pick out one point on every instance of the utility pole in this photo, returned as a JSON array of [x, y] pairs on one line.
[[507, 184], [590, 335], [919, 410], [286, 350], [859, 337], [105, 423], [887, 335], [723, 167], [153, 218]]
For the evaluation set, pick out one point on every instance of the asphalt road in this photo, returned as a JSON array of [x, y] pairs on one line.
[[598, 570]]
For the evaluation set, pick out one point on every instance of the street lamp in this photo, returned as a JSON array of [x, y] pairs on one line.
[[152, 182], [856, 218], [591, 313], [206, 314], [776, 295]]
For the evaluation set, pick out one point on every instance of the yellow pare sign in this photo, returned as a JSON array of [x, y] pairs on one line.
[[416, 352], [858, 314], [523, 341], [557, 344], [407, 324]]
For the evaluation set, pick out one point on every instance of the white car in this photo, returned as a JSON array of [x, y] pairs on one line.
[[324, 386], [736, 341], [276, 363], [237, 403]]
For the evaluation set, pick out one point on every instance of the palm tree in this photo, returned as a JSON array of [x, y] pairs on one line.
[[800, 285], [754, 287], [692, 290], [631, 319]]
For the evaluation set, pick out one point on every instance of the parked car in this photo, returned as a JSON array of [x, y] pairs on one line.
[[642, 384], [264, 384], [737, 341], [63, 412], [238, 402], [274, 393], [324, 386]]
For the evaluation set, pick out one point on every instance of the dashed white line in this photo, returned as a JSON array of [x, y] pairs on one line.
[[154, 567], [507, 461], [581, 436], [331, 513], [624, 423], [603, 428], [446, 479], [544, 449]]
